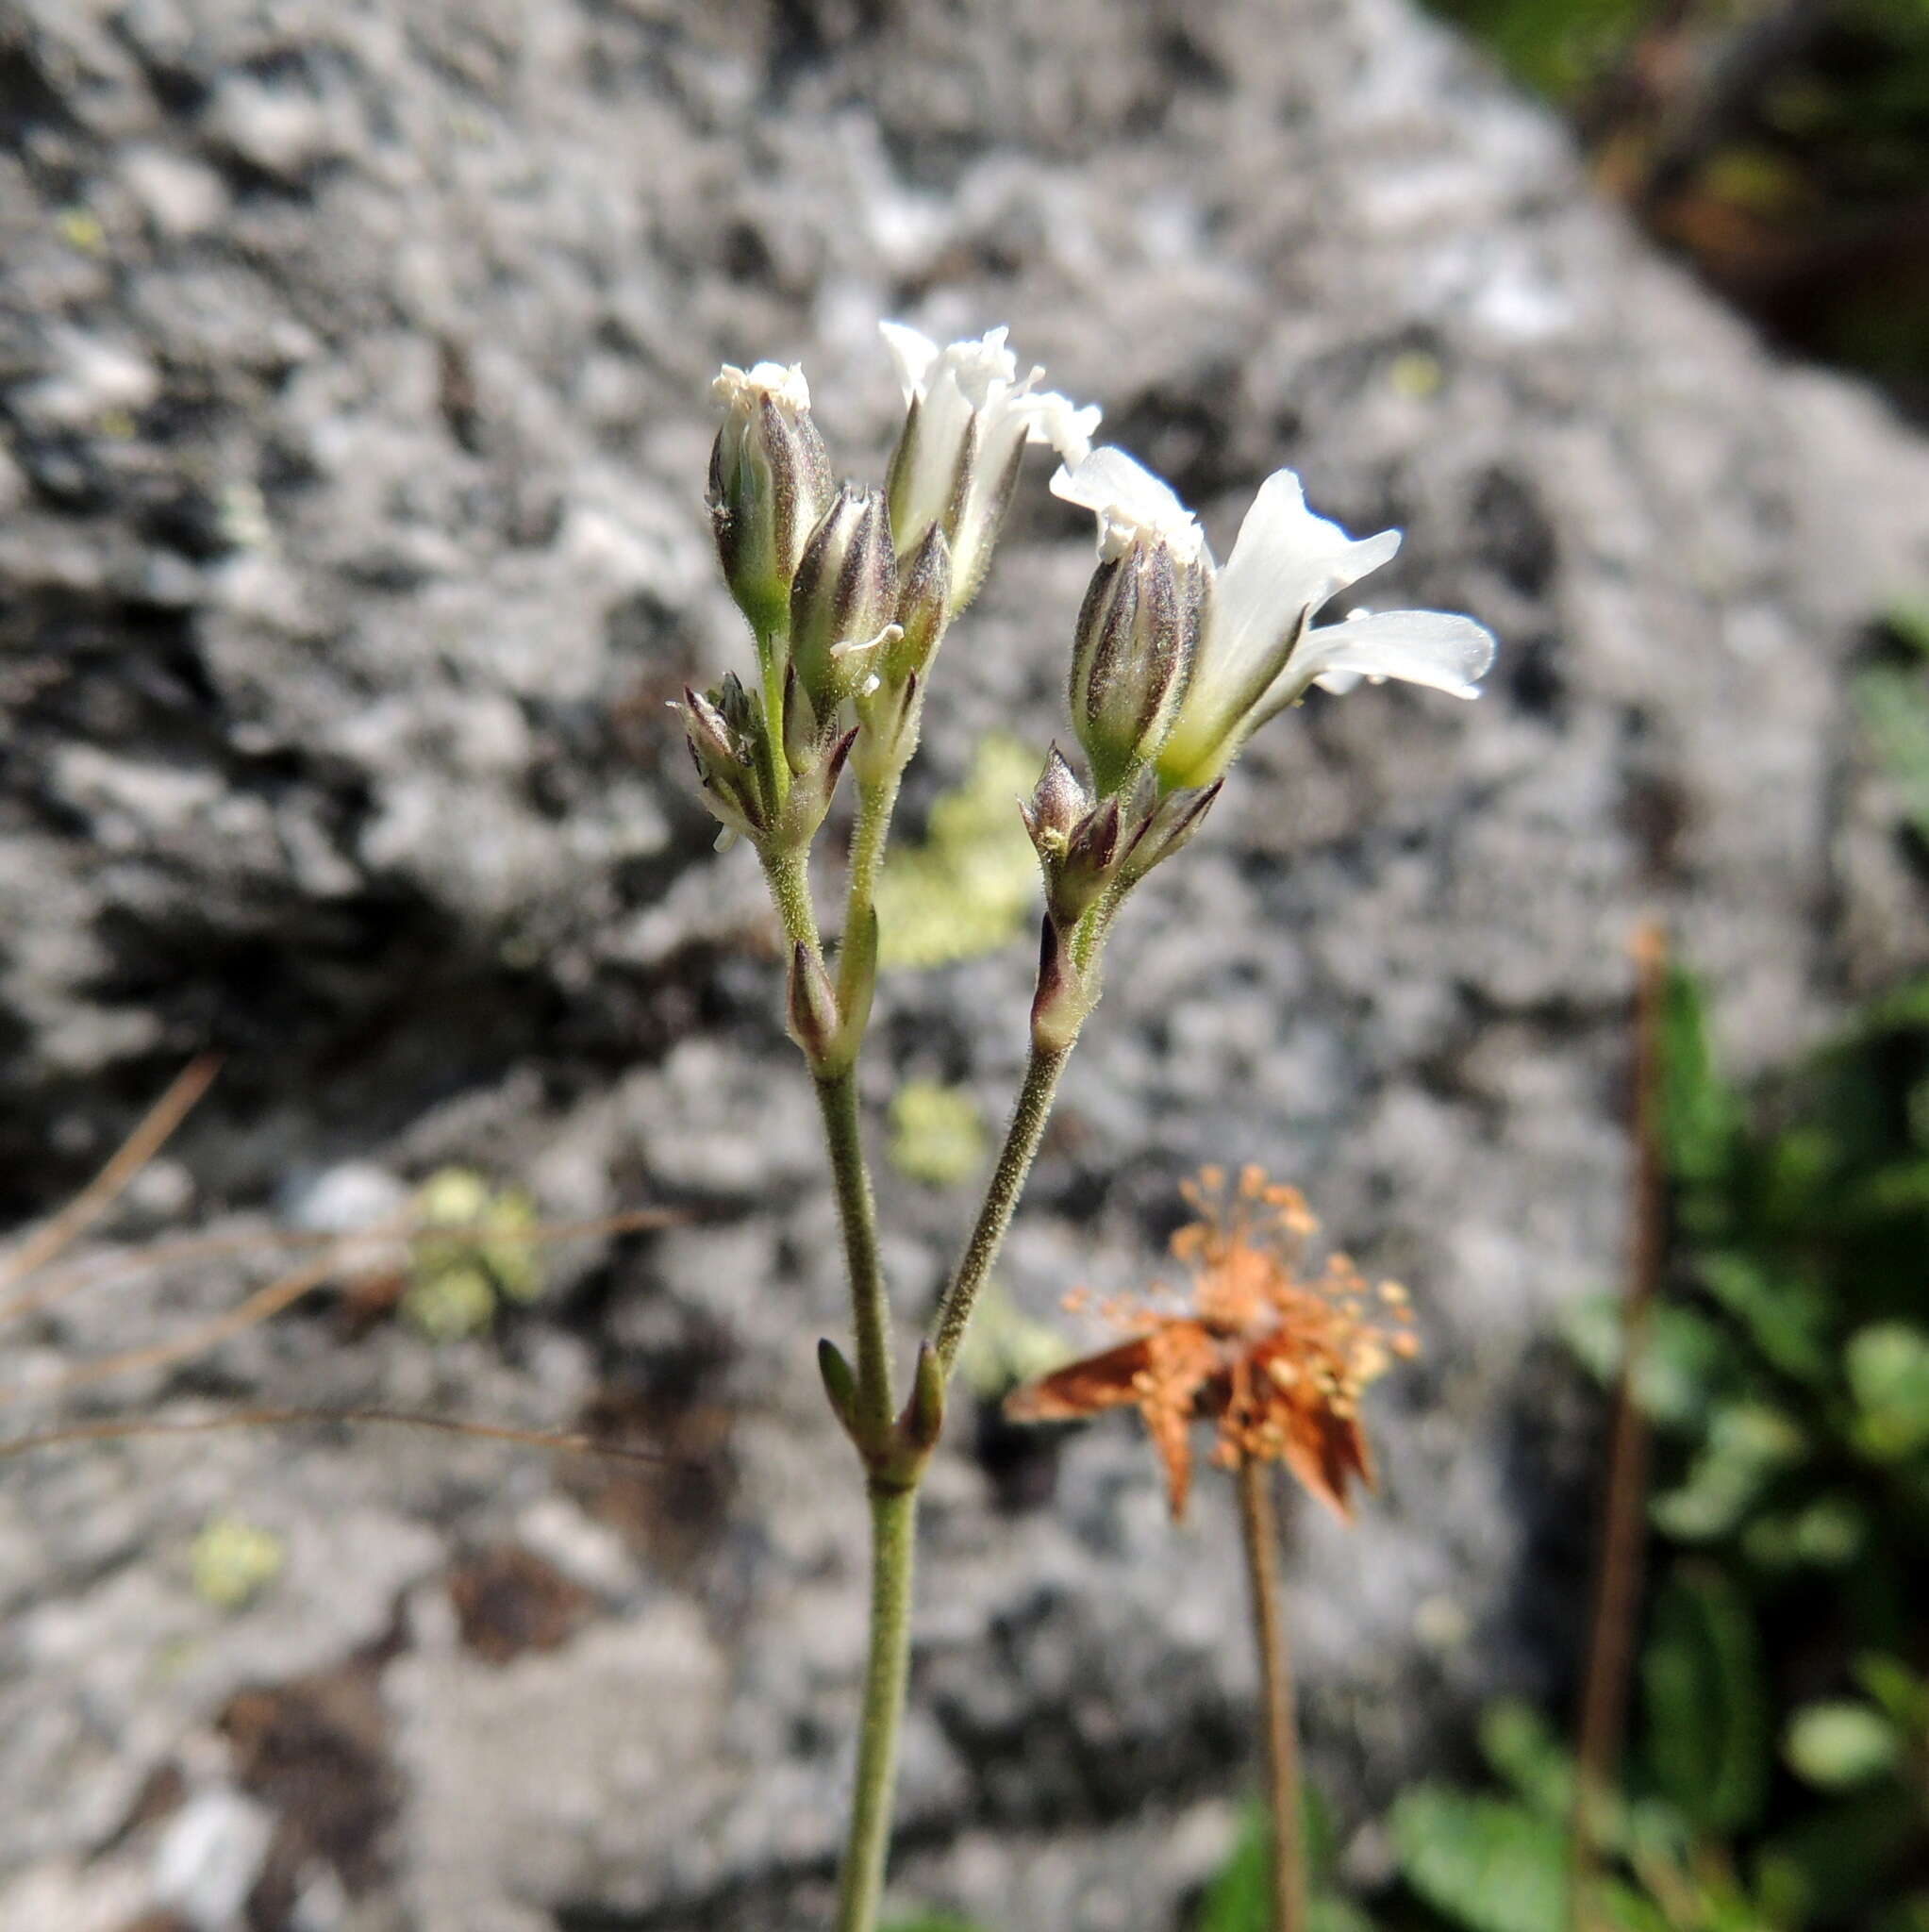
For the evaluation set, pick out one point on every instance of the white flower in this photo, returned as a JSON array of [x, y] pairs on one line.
[[968, 421], [1258, 650], [1129, 501], [741, 390]]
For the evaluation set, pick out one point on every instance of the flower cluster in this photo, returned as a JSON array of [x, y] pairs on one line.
[[849, 590], [1276, 1360], [1175, 661]]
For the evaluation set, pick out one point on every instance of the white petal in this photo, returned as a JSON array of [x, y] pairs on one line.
[[984, 368], [738, 387], [1429, 647], [1059, 421], [913, 354], [1127, 498], [1286, 561]]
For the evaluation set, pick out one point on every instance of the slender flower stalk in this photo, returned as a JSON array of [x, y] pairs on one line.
[[1619, 1560], [1259, 1532]]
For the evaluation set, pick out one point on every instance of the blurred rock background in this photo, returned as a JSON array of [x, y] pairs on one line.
[[352, 371]]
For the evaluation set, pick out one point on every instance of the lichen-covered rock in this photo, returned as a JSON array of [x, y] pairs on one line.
[[354, 361]]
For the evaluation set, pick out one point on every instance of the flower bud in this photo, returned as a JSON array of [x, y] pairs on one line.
[[809, 797], [811, 1016], [721, 731], [1063, 996], [1078, 843], [1132, 656], [1165, 825], [769, 483], [1058, 802], [923, 606], [844, 596]]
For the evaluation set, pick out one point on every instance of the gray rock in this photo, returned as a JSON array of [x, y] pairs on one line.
[[353, 372]]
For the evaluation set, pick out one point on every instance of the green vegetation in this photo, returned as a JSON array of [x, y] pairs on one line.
[[936, 1134], [971, 886], [472, 1250], [1783, 147]]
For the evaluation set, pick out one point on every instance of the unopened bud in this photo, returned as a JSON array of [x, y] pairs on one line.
[[770, 484], [810, 1015], [811, 790], [923, 605], [844, 594], [1138, 632], [1058, 802], [1062, 998], [1166, 825], [801, 746], [719, 730]]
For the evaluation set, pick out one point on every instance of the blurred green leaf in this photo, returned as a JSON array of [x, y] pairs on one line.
[[1699, 1113], [1823, 1534], [1747, 1444], [1519, 1745], [1485, 1864], [1894, 706], [1703, 1701], [1887, 1366], [1846, 1853], [1680, 1369], [1901, 1691], [1786, 1318], [1241, 1898], [1838, 1745]]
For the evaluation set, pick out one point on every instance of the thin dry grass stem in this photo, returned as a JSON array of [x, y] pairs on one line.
[[261, 1306], [115, 1429], [100, 1194], [1620, 1560], [109, 1271], [1259, 1524], [286, 1290]]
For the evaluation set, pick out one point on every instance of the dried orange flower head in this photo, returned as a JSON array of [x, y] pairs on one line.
[[1277, 1359]]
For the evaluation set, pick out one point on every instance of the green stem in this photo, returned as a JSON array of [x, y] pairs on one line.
[[1258, 1523], [875, 804], [836, 1097], [771, 661], [788, 875], [1034, 1108], [860, 1879]]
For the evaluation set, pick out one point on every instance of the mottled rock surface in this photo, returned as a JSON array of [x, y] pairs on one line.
[[351, 438]]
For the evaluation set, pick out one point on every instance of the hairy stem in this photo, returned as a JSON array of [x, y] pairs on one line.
[[788, 876], [1259, 1523], [1034, 1108], [836, 1097], [875, 804], [860, 1879]]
